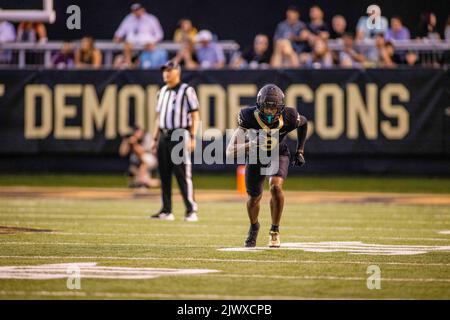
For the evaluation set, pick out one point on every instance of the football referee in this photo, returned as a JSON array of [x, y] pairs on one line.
[[177, 108]]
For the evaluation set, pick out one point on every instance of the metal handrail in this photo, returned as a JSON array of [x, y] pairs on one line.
[[400, 45], [106, 46]]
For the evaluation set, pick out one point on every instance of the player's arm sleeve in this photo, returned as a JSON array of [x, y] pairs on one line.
[[192, 99], [242, 121], [302, 130]]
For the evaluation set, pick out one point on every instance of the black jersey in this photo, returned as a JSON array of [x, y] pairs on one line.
[[288, 121]]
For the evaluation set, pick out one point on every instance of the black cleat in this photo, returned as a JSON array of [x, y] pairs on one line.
[[250, 242], [163, 216]]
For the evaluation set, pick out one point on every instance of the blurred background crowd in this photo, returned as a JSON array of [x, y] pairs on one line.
[[301, 40]]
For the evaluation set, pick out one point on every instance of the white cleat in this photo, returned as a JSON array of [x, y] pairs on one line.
[[191, 217], [274, 240]]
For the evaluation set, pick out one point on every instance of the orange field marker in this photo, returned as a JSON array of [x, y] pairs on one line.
[[240, 180]]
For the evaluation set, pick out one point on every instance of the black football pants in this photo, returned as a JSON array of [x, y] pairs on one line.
[[183, 174]]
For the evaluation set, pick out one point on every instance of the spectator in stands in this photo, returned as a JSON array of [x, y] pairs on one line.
[[349, 57], [152, 57], [186, 56], [294, 30], [427, 27], [141, 160], [65, 58], [447, 30], [125, 60], [138, 26], [87, 56], [7, 34], [397, 31], [256, 57], [394, 58], [365, 31], [379, 55], [411, 59], [185, 31], [32, 32], [209, 54], [320, 57], [339, 27], [317, 26], [284, 56]]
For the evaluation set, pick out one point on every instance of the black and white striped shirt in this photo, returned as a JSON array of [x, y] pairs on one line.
[[175, 106]]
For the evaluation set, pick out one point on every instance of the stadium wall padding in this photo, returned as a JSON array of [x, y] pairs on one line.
[[361, 121]]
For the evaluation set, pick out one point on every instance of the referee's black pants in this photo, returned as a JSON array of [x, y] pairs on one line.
[[183, 174]]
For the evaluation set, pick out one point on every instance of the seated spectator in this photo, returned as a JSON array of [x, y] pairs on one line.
[[209, 54], [284, 55], [427, 27], [349, 57], [141, 161], [125, 60], [365, 31], [320, 57], [317, 26], [152, 57], [411, 59], [338, 27], [32, 32], [256, 57], [185, 31], [379, 54], [186, 56], [87, 56], [397, 31], [65, 58], [138, 26], [7, 34], [393, 58], [294, 30]]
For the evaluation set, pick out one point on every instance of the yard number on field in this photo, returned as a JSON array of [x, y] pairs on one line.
[[374, 280]]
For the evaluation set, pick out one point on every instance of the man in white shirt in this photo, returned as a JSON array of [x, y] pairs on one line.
[[139, 25], [7, 34]]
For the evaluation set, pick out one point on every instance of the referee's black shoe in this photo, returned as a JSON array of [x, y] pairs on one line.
[[168, 216], [250, 242]]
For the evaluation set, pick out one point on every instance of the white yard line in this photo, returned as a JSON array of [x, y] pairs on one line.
[[278, 261], [138, 295], [107, 244], [46, 215], [149, 234], [170, 224], [261, 276]]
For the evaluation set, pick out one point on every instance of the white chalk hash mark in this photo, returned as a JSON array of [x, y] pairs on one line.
[[92, 271], [351, 247]]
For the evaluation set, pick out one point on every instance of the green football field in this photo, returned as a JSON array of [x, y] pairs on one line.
[[330, 240]]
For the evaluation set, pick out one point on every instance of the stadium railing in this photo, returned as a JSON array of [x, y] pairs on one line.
[[430, 52], [108, 48]]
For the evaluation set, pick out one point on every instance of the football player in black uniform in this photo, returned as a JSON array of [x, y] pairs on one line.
[[270, 115]]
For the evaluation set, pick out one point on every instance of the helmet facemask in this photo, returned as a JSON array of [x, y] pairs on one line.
[[270, 111]]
